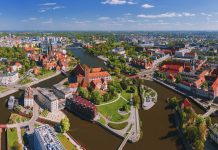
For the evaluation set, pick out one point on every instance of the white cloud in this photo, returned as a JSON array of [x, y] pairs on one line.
[[166, 15], [48, 4], [118, 2], [205, 14], [147, 6], [32, 18], [103, 18]]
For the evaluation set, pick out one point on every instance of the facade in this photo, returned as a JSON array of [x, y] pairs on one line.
[[81, 106], [28, 97], [47, 99], [85, 75], [62, 91], [45, 139], [9, 78], [213, 133]]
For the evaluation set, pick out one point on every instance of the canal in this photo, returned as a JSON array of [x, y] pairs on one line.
[[157, 123]]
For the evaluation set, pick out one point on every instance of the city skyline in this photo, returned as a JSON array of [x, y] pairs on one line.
[[106, 15]]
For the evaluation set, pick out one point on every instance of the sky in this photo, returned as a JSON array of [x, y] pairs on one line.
[[108, 15]]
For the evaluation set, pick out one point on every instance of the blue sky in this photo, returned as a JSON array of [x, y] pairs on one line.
[[109, 15]]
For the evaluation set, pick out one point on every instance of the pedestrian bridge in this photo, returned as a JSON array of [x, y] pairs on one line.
[[125, 140]]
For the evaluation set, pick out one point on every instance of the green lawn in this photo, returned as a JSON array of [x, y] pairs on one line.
[[126, 95], [102, 121], [12, 137], [25, 81], [47, 74], [67, 144], [3, 89], [118, 126], [111, 111]]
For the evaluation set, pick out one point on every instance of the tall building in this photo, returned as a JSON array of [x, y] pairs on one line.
[[28, 97], [45, 139]]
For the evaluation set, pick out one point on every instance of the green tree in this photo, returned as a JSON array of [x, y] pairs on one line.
[[198, 145], [117, 71], [178, 78], [17, 146], [136, 100], [65, 125], [208, 121], [96, 97], [173, 102], [191, 133], [106, 97]]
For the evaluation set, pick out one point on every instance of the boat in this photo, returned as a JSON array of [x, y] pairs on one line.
[[11, 102]]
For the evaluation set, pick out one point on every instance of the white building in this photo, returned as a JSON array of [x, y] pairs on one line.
[[28, 97], [181, 53], [9, 78], [45, 139], [119, 50], [47, 99], [62, 92]]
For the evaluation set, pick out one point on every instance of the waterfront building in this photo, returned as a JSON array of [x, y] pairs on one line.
[[81, 106], [85, 75], [45, 139], [62, 91], [47, 99], [172, 67], [9, 78], [28, 97]]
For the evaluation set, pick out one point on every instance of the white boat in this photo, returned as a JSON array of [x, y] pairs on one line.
[[11, 102]]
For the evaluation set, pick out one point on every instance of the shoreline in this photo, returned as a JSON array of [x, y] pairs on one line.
[[202, 106]]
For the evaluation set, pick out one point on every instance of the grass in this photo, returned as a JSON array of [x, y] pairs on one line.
[[12, 137], [111, 110], [15, 118], [23, 130], [3, 89], [102, 121], [118, 126], [47, 74], [67, 144], [25, 81], [126, 95]]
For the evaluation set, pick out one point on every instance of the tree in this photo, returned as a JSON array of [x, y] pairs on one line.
[[65, 125], [198, 145], [84, 93], [124, 84], [96, 97], [173, 102], [191, 133], [178, 78], [17, 146], [199, 120], [106, 97], [136, 100], [208, 121], [117, 70]]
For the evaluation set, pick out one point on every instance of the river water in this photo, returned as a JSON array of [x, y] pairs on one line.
[[158, 130]]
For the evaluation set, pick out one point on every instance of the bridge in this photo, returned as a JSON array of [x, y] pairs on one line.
[[125, 140], [209, 112]]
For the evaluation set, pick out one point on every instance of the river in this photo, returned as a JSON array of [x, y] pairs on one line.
[[157, 123]]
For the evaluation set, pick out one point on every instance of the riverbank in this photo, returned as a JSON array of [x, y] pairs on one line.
[[203, 106]]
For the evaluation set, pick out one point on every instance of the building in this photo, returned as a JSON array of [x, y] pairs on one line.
[[45, 139], [47, 99], [181, 53], [62, 91], [81, 106], [213, 132], [73, 87], [172, 67], [119, 50], [85, 75], [142, 63], [28, 97], [9, 78]]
